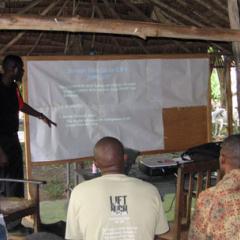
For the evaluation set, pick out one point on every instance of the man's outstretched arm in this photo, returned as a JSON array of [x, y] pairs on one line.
[[32, 112]]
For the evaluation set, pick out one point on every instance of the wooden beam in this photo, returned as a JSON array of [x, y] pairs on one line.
[[141, 45], [181, 46], [114, 26], [162, 5], [143, 17], [212, 9], [158, 16], [16, 38], [223, 49], [111, 10], [9, 44], [93, 35], [19, 35], [41, 34], [62, 8], [26, 47], [115, 15], [136, 10], [205, 21], [220, 5], [100, 14], [31, 38], [198, 14], [162, 18], [169, 17], [35, 44], [29, 7], [68, 36]]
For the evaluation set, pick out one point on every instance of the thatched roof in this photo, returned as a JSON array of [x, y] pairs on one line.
[[198, 13]]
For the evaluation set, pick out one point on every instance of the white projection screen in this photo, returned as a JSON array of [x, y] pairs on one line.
[[92, 98]]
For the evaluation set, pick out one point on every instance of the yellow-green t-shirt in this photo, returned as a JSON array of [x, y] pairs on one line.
[[115, 207]]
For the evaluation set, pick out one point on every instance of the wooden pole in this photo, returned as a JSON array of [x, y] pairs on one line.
[[233, 13], [209, 107], [115, 26], [27, 152], [229, 98]]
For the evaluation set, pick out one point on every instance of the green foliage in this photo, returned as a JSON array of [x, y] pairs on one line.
[[215, 86], [210, 50]]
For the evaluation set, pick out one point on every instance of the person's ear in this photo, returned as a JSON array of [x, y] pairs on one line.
[[222, 160]]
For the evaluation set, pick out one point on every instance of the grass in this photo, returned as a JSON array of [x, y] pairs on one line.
[[53, 211], [169, 206]]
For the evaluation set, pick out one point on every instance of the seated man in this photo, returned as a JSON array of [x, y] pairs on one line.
[[3, 229], [217, 214], [3, 232], [114, 206]]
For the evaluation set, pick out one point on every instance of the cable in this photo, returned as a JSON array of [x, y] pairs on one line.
[[171, 205]]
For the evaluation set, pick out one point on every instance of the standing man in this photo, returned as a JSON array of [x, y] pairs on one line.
[[3, 158], [217, 213], [114, 206], [11, 103]]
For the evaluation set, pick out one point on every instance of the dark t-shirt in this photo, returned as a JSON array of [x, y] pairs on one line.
[[9, 108]]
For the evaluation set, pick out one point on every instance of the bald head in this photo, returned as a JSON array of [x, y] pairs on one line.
[[109, 155], [231, 150]]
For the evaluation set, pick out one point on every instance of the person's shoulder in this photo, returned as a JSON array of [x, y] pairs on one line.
[[208, 192], [207, 196], [230, 182]]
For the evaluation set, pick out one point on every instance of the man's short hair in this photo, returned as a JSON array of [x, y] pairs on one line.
[[231, 148], [11, 61], [113, 142]]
